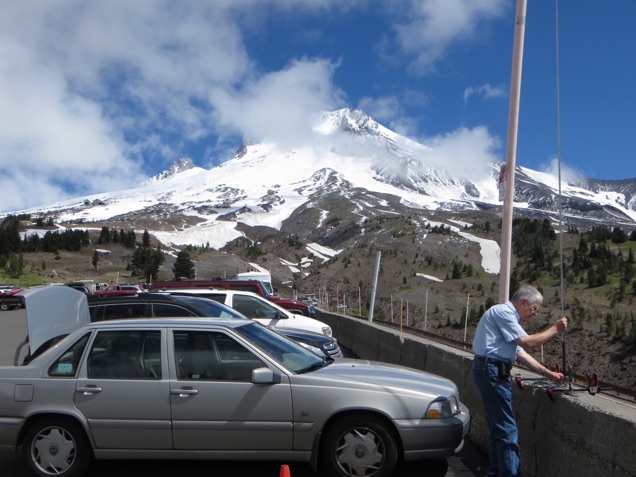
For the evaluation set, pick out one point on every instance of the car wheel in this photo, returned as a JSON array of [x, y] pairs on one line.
[[360, 446], [4, 306], [57, 446]]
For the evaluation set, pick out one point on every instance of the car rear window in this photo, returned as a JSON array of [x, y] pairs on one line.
[[117, 311]]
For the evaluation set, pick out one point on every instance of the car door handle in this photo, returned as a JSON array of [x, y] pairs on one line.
[[183, 392], [88, 390]]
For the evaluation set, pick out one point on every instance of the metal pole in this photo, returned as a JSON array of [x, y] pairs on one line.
[[466, 322], [561, 233], [407, 313], [511, 150], [426, 310], [375, 285]]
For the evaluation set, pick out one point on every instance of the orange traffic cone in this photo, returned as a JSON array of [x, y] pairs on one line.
[[284, 471]]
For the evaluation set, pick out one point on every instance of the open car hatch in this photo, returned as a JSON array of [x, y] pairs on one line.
[[52, 312]]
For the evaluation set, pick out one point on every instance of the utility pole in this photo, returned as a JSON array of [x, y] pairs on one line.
[[511, 151], [375, 285]]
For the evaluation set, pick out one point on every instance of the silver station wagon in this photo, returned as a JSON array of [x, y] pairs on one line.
[[212, 388]]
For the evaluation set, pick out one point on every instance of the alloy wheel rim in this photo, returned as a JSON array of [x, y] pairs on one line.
[[53, 451], [360, 452]]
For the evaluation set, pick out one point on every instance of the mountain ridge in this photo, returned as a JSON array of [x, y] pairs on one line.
[[351, 155]]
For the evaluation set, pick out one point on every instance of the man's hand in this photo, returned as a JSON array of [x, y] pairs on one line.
[[553, 376], [561, 324]]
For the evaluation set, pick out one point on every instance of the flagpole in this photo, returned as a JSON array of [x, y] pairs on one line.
[[511, 151]]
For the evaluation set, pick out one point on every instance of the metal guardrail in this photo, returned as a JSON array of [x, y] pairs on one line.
[[606, 388]]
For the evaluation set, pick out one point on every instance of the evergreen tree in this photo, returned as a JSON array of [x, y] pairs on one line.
[[146, 262], [130, 239], [15, 267], [145, 239], [10, 241], [104, 236], [183, 266], [457, 274], [619, 235], [95, 259]]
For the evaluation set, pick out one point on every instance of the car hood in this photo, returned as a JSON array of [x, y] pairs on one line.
[[385, 374], [53, 311]]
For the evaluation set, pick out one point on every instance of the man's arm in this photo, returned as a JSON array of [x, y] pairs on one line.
[[529, 342], [538, 368]]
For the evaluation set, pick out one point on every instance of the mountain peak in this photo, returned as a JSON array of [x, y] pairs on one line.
[[347, 120], [178, 166], [358, 169]]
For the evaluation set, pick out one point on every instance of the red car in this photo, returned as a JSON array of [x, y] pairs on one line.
[[8, 300]]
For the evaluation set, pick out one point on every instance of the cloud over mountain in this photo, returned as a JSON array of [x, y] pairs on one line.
[[349, 159]]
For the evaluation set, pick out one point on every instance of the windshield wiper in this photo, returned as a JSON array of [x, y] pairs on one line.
[[316, 365]]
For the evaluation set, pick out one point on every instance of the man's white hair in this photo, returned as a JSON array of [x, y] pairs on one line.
[[527, 292]]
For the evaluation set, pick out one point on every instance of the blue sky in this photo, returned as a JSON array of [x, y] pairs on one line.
[[96, 95]]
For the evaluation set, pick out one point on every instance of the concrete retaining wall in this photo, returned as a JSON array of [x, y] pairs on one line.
[[577, 436]]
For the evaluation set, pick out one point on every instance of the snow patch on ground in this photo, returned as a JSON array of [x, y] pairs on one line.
[[490, 253], [322, 252]]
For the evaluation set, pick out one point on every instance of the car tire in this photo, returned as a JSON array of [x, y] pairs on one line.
[[57, 446], [4, 306], [360, 445]]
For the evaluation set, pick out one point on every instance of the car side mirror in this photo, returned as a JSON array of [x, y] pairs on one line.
[[264, 376]]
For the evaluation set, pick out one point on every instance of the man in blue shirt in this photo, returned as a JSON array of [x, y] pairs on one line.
[[500, 341]]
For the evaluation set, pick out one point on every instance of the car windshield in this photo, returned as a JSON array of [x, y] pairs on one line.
[[209, 308], [266, 292], [288, 353]]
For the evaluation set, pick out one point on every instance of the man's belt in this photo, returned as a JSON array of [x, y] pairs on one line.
[[484, 359], [503, 367]]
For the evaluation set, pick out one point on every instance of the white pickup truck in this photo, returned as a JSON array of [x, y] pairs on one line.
[[257, 308]]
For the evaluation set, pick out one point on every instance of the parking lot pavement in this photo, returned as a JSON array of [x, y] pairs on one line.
[[468, 463], [459, 466]]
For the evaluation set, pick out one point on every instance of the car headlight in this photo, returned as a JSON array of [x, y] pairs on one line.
[[326, 330], [313, 349], [441, 408]]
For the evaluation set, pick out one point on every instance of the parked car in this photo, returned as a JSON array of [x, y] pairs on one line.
[[80, 288], [117, 290], [8, 298], [154, 305], [212, 388], [254, 286], [257, 308]]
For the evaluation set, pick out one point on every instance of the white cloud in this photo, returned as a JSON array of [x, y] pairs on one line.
[[388, 111], [467, 153], [428, 28], [568, 174], [486, 91], [277, 106]]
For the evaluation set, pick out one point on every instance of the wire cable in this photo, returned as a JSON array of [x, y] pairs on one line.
[[559, 197]]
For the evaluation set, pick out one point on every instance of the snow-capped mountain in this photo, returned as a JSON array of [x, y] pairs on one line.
[[180, 165], [353, 169]]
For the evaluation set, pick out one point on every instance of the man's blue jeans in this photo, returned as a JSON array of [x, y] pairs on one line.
[[496, 393]]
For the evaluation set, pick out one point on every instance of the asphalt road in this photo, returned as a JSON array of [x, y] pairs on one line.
[[467, 463]]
